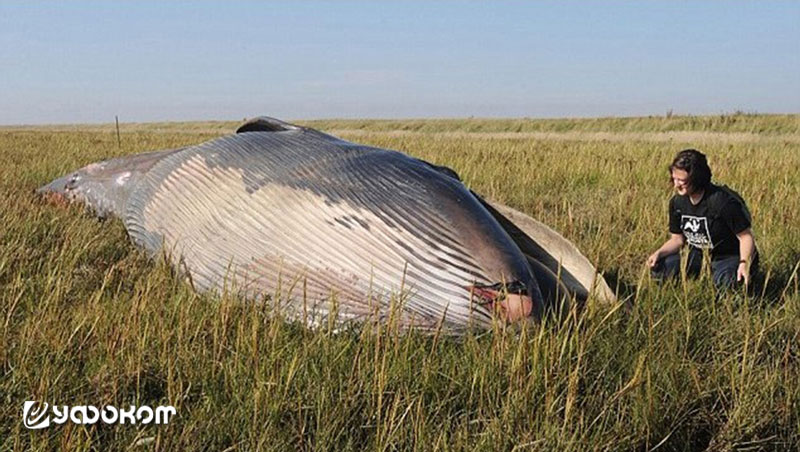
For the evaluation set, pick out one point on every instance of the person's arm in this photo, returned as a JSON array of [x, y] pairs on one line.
[[736, 216], [671, 246], [676, 238], [746, 248]]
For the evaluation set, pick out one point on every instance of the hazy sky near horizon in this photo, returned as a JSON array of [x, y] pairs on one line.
[[77, 62]]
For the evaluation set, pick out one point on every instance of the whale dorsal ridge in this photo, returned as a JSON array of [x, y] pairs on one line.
[[266, 124]]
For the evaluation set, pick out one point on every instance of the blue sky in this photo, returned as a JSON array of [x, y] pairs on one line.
[[76, 62]]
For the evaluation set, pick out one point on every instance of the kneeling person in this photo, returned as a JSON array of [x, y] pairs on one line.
[[707, 217]]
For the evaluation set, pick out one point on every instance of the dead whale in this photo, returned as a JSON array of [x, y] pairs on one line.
[[334, 228]]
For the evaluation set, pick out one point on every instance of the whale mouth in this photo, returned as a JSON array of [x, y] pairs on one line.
[[59, 192], [55, 198], [509, 302]]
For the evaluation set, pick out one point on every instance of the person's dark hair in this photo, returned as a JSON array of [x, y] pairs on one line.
[[693, 162]]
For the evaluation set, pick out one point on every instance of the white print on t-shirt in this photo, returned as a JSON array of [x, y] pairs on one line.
[[695, 229]]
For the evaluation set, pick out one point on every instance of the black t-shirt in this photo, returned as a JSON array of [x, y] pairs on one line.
[[713, 223]]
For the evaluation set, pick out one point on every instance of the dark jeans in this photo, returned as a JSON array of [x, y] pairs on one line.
[[723, 269]]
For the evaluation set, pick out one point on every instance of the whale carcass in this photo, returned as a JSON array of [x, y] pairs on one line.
[[334, 227]]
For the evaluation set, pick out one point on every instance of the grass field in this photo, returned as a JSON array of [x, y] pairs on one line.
[[85, 318]]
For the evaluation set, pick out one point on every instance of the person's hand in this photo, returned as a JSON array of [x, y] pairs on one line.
[[742, 273], [653, 259]]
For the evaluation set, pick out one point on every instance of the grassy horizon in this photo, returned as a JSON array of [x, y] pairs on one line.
[[738, 122], [86, 318]]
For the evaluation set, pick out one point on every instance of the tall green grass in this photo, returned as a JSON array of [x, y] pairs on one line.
[[85, 318]]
